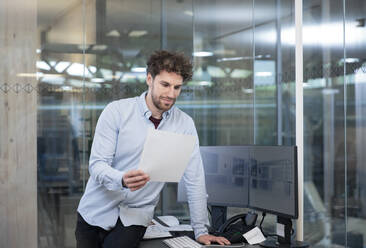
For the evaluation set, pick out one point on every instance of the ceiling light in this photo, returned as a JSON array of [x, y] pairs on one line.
[[263, 74], [61, 66], [66, 88], [202, 54], [188, 12], [231, 59], [99, 47], [46, 75], [76, 69], [113, 33], [52, 80], [137, 33], [138, 69], [97, 80], [225, 52], [205, 83], [43, 65], [350, 60], [92, 69]]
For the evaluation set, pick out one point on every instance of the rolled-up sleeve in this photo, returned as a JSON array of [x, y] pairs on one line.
[[104, 148]]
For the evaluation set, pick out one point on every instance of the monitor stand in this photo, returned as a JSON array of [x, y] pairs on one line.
[[284, 228], [218, 216]]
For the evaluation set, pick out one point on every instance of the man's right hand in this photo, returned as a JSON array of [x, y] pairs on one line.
[[135, 179]]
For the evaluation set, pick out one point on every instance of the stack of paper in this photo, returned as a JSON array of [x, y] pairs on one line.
[[171, 223]]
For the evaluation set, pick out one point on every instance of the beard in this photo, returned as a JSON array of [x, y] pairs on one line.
[[157, 101]]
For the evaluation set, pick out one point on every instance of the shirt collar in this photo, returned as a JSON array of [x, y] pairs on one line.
[[146, 111]]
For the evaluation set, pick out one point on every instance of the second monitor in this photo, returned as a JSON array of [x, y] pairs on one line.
[[227, 175]]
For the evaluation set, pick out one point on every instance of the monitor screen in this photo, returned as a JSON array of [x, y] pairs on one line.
[[227, 175], [273, 180]]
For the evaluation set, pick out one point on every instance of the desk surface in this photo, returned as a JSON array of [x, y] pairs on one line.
[[158, 243]]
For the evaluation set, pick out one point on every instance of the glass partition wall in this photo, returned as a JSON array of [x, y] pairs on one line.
[[92, 52], [334, 119]]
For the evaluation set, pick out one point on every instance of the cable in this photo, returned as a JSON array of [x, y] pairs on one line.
[[260, 227], [260, 224], [210, 229], [218, 218], [209, 211]]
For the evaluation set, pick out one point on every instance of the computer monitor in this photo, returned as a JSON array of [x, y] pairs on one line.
[[227, 176], [273, 188], [273, 180], [263, 178]]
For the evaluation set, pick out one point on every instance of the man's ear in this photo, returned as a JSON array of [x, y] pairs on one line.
[[149, 79]]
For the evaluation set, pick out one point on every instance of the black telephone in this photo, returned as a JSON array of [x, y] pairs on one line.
[[234, 228]]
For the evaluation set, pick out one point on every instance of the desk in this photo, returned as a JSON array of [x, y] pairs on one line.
[[158, 243]]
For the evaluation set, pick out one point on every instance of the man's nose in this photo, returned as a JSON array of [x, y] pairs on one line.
[[172, 92]]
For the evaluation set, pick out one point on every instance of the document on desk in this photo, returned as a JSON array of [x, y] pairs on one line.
[[254, 236], [156, 231], [166, 155], [171, 225]]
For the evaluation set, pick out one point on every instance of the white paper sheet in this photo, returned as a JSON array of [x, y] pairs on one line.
[[166, 155], [254, 236], [169, 220], [156, 231], [178, 227]]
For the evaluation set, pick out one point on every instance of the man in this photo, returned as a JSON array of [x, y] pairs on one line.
[[119, 199]]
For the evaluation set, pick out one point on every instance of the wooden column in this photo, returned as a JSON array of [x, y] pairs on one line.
[[18, 117]]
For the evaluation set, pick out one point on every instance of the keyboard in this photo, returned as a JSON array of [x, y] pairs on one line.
[[181, 242], [187, 242]]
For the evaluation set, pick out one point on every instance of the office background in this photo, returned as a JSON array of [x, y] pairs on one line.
[[63, 61]]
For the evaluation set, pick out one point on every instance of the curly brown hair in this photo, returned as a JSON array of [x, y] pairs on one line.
[[170, 62]]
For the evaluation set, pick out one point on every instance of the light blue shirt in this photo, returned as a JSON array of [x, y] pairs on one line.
[[117, 146]]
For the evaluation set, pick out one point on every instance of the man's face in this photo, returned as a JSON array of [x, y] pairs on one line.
[[164, 89]]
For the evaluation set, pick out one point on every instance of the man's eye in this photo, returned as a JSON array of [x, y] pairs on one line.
[[177, 87]]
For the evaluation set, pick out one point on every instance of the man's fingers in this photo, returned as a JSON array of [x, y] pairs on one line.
[[222, 241], [208, 239], [136, 179], [136, 187], [136, 184]]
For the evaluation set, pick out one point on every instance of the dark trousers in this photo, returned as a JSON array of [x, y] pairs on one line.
[[88, 236]]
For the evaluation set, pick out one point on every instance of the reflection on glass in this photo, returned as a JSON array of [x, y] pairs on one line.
[[222, 85], [355, 140], [59, 120]]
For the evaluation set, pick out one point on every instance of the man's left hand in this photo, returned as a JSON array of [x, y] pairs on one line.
[[207, 239]]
